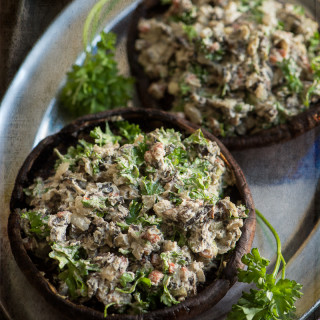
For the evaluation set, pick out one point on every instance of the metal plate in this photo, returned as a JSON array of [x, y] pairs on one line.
[[284, 178]]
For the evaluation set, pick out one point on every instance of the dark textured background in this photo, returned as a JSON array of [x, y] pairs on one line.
[[22, 22]]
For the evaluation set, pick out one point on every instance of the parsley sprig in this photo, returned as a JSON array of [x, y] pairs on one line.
[[274, 298], [96, 85], [291, 74]]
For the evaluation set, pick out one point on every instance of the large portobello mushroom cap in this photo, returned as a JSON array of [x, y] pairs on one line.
[[40, 162], [294, 127]]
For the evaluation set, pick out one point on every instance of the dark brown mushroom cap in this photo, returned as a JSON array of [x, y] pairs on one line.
[[40, 163], [294, 127]]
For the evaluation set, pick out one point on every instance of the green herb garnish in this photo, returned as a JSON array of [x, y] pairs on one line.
[[129, 165], [315, 66], [125, 278], [314, 88], [139, 279], [190, 32], [216, 55], [291, 74], [128, 130], [75, 268], [74, 154], [314, 44], [274, 298], [105, 313], [96, 85], [184, 88], [134, 211], [102, 138], [197, 138], [186, 16], [37, 190], [150, 187], [38, 223], [167, 298], [98, 203], [299, 10]]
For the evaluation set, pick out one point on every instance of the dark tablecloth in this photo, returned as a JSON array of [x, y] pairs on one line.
[[22, 22]]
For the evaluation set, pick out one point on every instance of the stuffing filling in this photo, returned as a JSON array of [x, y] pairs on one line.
[[235, 67], [133, 221]]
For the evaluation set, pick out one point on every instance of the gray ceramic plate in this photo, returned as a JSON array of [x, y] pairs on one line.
[[283, 178]]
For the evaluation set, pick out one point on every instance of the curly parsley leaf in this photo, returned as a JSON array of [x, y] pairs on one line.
[[187, 16], [312, 90], [128, 165], [299, 10], [275, 300], [139, 306], [190, 31], [38, 223], [149, 220], [145, 220], [196, 138], [179, 237], [102, 138], [167, 137], [291, 74], [98, 203], [150, 187], [74, 154], [253, 8], [315, 66], [128, 130], [178, 156], [96, 85], [141, 278], [134, 211], [174, 198], [256, 267], [126, 278]]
